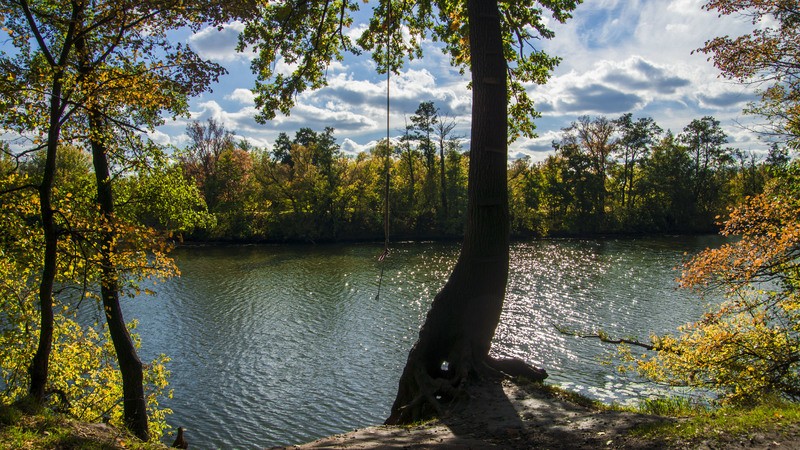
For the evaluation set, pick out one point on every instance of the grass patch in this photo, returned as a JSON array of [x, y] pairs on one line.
[[713, 423], [671, 407], [23, 431], [9, 415], [420, 423], [20, 429]]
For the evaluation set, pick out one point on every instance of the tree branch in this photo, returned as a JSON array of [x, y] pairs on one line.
[[602, 337]]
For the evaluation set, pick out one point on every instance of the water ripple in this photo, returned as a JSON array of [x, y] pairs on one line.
[[277, 345]]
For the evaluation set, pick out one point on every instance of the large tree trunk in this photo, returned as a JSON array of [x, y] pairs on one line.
[[454, 342], [130, 366]]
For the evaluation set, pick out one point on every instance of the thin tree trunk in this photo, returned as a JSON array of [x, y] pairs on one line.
[[625, 168], [130, 366], [412, 180], [408, 155], [443, 179], [39, 367], [454, 341]]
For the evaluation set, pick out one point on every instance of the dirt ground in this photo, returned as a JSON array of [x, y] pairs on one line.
[[506, 415], [500, 415]]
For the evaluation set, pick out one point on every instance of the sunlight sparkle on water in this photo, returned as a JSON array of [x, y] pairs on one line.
[[284, 343]]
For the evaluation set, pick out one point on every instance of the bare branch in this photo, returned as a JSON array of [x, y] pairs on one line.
[[602, 337]]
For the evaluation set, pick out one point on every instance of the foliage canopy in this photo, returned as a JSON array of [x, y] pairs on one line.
[[748, 345], [769, 57], [308, 36]]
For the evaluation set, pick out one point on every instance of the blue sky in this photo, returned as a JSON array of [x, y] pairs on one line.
[[618, 56]]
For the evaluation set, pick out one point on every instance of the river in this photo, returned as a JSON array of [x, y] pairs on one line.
[[275, 345]]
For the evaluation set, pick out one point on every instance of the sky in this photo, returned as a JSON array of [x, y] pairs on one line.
[[619, 56]]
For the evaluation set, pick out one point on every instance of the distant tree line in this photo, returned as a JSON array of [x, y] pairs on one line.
[[306, 189], [629, 176], [623, 175]]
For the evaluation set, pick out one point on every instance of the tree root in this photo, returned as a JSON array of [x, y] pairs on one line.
[[63, 401], [432, 396], [514, 367]]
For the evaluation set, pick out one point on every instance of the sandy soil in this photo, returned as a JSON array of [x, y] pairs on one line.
[[507, 415]]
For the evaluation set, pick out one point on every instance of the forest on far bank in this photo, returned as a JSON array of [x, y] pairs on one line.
[[606, 175]]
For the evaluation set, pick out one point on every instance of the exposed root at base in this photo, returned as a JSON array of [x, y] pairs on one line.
[[436, 396], [432, 398], [514, 367]]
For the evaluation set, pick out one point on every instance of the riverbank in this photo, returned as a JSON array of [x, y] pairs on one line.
[[512, 415], [501, 415], [508, 414], [402, 239]]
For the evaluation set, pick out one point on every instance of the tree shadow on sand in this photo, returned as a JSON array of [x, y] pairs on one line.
[[506, 414], [511, 415]]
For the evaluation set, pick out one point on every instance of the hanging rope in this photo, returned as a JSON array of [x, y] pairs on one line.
[[387, 157]]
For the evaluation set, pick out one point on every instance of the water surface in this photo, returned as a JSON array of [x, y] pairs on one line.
[[275, 345]]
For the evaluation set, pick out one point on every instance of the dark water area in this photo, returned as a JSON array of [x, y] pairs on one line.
[[275, 345]]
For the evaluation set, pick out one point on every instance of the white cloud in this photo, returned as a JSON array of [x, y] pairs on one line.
[[337, 66], [618, 56], [243, 96], [159, 137], [355, 32], [241, 122], [639, 56], [284, 68], [611, 87], [352, 147], [220, 45], [304, 115], [365, 99], [537, 148]]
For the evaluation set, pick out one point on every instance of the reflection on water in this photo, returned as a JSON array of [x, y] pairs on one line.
[[283, 344], [624, 287]]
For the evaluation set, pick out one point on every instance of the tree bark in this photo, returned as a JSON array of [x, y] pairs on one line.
[[130, 366], [454, 342], [39, 368], [443, 180]]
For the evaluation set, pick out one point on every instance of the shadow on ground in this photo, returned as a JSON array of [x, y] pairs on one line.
[[503, 414]]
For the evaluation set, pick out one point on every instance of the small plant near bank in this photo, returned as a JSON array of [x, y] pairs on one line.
[[701, 423], [673, 406], [746, 347], [45, 429]]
